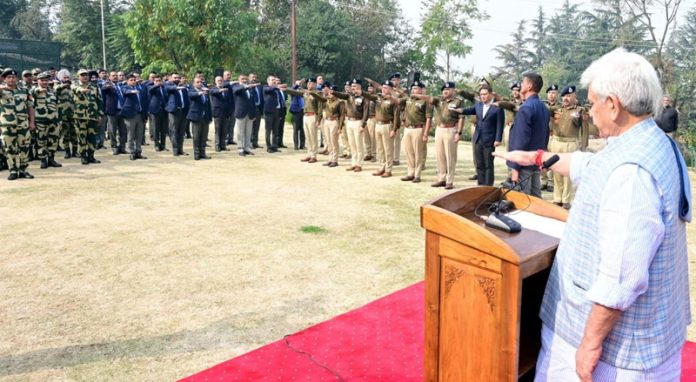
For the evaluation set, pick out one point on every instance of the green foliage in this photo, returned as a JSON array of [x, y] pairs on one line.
[[444, 31], [312, 229], [80, 33], [30, 22], [191, 35]]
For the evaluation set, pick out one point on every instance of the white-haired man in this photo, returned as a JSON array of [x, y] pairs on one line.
[[616, 305]]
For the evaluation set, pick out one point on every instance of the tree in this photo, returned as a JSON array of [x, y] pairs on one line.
[[80, 33], [189, 35], [31, 21], [445, 29], [514, 56]]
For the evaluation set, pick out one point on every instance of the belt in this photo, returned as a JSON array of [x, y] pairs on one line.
[[331, 118], [415, 127], [354, 119], [594, 137], [309, 114], [563, 139], [384, 122], [447, 126]]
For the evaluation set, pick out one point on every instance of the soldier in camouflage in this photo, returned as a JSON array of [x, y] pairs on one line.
[[87, 111], [46, 117], [3, 158], [16, 120], [64, 97]]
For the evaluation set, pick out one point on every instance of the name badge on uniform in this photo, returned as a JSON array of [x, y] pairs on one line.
[[451, 106], [387, 103], [358, 101], [419, 105]]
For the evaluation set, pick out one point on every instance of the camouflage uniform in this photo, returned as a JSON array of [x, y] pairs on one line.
[[46, 119], [14, 121], [87, 113], [68, 132]]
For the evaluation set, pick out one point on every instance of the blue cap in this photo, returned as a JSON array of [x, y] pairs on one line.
[[552, 87], [448, 85], [356, 81], [569, 89], [387, 83], [417, 83], [395, 75], [515, 85]]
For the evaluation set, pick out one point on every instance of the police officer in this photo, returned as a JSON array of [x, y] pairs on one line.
[[388, 117], [356, 121], [311, 119], [370, 142], [552, 104], [87, 114], [417, 116], [16, 120], [333, 115], [568, 128], [511, 105], [46, 117]]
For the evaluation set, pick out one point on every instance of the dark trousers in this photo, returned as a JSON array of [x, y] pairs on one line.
[[177, 129], [298, 135], [117, 132], [255, 128], [231, 121], [101, 132], [272, 129], [221, 133], [483, 158], [281, 125], [531, 182], [200, 136], [136, 129], [159, 127]]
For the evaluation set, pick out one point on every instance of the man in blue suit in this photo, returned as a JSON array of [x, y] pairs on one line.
[[221, 98], [132, 113], [199, 115], [257, 93], [490, 122], [113, 102], [245, 113], [177, 100], [158, 117], [530, 132]]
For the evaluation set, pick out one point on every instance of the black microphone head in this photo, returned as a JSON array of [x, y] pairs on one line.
[[551, 161]]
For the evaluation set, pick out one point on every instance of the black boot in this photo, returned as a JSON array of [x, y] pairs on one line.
[[52, 161], [44, 164], [67, 155], [83, 158], [90, 158], [3, 164]]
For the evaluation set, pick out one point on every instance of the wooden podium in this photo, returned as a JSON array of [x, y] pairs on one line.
[[483, 288]]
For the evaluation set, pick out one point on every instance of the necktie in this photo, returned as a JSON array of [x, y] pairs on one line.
[[258, 97], [119, 97], [137, 95], [181, 94]]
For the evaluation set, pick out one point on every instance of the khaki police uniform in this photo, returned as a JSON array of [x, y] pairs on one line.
[[448, 123], [417, 115], [312, 118], [566, 135], [356, 122], [369, 136], [387, 115]]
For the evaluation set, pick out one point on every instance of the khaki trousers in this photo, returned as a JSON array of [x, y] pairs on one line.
[[563, 189], [344, 140], [413, 145], [472, 129], [596, 145], [325, 134], [397, 144], [446, 153], [355, 139], [332, 141], [370, 144], [311, 135], [385, 146]]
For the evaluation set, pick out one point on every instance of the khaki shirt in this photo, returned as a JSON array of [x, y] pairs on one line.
[[511, 107], [416, 111], [86, 101], [45, 104], [386, 109], [446, 113], [357, 107], [14, 108], [570, 123], [311, 103]]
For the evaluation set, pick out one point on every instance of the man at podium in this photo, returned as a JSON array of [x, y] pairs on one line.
[[616, 304]]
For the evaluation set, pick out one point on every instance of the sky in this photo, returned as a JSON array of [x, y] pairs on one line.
[[498, 29]]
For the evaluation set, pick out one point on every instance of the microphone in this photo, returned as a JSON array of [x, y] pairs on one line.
[[496, 219]]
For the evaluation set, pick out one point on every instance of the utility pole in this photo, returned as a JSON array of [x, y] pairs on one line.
[[293, 26], [103, 35]]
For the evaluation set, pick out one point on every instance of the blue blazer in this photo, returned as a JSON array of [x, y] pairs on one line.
[[157, 98], [244, 106], [113, 99], [176, 99], [199, 106], [270, 99], [530, 129], [257, 94], [132, 105], [489, 127], [222, 102]]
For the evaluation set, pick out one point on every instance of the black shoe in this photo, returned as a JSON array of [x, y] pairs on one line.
[[248, 153], [75, 154], [115, 152], [184, 153], [257, 147], [122, 151], [3, 165], [52, 163], [91, 158], [206, 157], [243, 154], [270, 151], [196, 157], [188, 137], [84, 160], [13, 176], [132, 157], [217, 149], [232, 143], [140, 156], [158, 149], [44, 164], [303, 148], [26, 175], [67, 155], [283, 146]]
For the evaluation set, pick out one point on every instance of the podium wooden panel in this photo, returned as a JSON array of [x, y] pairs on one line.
[[483, 288]]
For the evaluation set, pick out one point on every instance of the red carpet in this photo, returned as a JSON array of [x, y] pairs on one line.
[[381, 341]]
